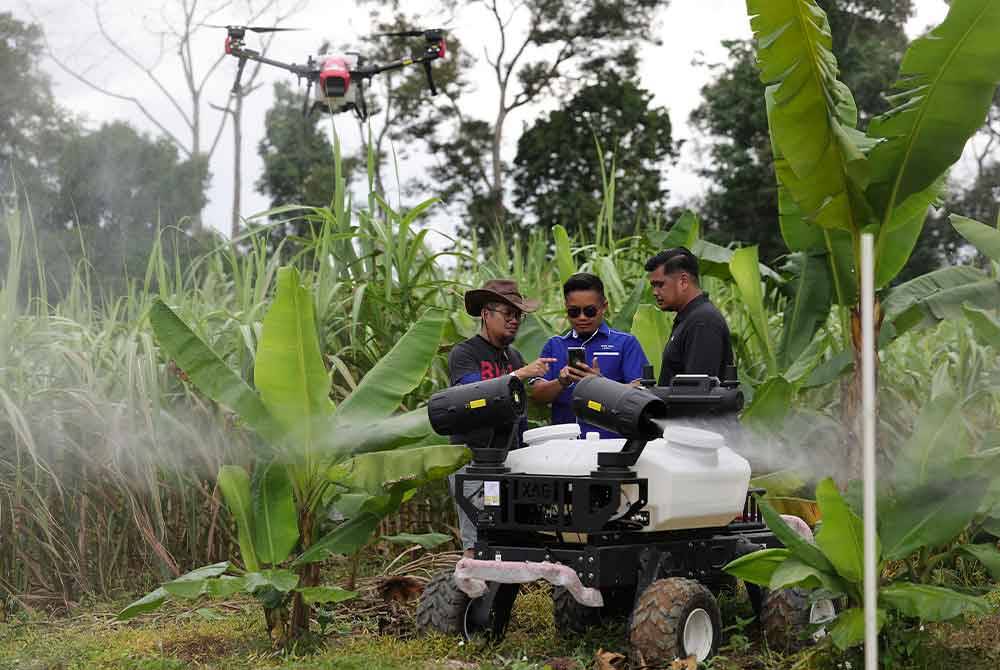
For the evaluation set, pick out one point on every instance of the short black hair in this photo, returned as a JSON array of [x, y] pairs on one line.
[[674, 260], [583, 281]]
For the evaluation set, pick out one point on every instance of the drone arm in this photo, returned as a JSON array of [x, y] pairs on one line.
[[239, 75], [425, 60], [250, 54]]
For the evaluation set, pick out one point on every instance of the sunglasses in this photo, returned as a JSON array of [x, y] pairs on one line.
[[506, 315], [589, 311]]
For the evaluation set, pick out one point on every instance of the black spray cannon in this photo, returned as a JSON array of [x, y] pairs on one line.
[[697, 395], [486, 414], [629, 411]]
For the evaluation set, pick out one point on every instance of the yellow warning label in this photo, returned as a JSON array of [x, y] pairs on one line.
[[594, 405], [476, 404]]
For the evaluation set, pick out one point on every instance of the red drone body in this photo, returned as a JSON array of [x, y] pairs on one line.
[[339, 80]]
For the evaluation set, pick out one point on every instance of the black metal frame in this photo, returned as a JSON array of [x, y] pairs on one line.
[[537, 511]]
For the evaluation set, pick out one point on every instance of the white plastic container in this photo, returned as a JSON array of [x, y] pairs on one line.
[[695, 480]]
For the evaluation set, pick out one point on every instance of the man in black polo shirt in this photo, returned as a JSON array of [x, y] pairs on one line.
[[699, 342]]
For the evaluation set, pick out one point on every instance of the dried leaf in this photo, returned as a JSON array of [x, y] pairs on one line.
[[689, 663], [400, 589], [608, 660]]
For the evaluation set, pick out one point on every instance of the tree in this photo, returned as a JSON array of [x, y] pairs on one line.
[[117, 189], [539, 46], [868, 41], [558, 169], [400, 105], [180, 24], [32, 126], [299, 163]]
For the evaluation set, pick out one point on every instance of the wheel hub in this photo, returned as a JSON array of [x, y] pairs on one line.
[[698, 634], [820, 612]]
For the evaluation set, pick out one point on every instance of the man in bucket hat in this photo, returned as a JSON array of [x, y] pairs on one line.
[[489, 354]]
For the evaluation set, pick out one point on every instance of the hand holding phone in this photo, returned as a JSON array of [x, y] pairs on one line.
[[577, 356]]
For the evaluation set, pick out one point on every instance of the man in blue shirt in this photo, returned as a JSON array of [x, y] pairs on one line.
[[610, 353]]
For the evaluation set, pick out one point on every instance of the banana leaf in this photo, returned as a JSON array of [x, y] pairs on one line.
[[931, 603], [289, 370], [985, 238], [745, 270], [929, 515], [564, 256], [945, 87], [651, 327], [276, 521], [896, 240], [370, 473], [397, 374], [841, 535], [938, 439], [810, 290], [939, 295], [234, 482], [986, 328], [813, 115], [209, 373], [383, 435]]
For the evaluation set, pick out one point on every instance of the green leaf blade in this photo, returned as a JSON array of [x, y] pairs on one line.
[[381, 391], [234, 482], [946, 84], [842, 535], [276, 521]]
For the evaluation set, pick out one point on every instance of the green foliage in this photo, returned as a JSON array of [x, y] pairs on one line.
[[298, 156], [557, 172], [868, 40], [946, 82], [35, 126], [918, 520], [275, 513]]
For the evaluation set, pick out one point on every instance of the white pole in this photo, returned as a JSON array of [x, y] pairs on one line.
[[868, 443]]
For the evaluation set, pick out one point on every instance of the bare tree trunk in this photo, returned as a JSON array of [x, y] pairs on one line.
[[497, 190], [234, 224]]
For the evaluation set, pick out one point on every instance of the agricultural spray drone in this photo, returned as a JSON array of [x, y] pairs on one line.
[[337, 81]]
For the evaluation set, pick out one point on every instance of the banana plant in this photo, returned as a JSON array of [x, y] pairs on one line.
[[312, 454], [922, 518], [837, 182]]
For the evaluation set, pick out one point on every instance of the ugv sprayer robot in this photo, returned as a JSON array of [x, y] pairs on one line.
[[638, 527]]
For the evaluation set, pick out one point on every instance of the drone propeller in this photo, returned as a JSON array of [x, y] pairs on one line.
[[432, 34], [254, 29]]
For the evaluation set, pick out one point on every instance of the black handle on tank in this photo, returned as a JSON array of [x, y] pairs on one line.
[[700, 395]]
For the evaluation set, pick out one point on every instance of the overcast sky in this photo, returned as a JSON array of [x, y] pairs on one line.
[[689, 29]]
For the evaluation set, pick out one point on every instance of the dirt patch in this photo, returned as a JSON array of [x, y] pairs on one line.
[[199, 648]]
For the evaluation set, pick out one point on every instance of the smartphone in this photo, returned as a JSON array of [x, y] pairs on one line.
[[577, 355]]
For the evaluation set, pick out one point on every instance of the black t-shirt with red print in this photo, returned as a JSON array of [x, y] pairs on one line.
[[476, 360]]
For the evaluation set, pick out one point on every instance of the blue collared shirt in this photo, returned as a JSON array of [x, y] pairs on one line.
[[619, 355]]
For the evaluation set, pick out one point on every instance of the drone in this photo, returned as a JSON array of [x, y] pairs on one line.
[[339, 80]]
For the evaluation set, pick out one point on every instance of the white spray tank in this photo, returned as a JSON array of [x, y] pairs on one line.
[[694, 479]]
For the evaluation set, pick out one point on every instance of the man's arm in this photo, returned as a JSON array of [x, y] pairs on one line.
[[545, 390], [705, 347]]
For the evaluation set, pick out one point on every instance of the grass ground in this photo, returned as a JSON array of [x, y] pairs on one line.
[[378, 636]]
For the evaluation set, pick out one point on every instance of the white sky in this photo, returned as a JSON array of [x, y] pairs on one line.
[[689, 29]]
